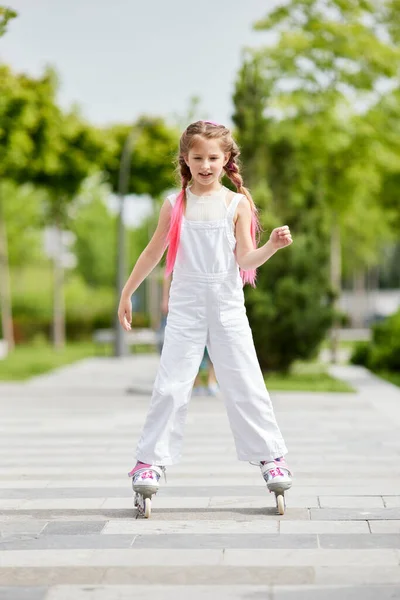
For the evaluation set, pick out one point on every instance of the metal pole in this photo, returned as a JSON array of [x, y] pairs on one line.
[[120, 348]]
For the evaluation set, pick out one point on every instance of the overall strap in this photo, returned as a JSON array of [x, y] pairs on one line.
[[172, 199], [233, 206]]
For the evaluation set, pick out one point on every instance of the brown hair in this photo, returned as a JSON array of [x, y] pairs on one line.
[[210, 130]]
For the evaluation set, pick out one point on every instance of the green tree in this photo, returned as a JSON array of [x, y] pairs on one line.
[[6, 14], [95, 231], [328, 58], [82, 152], [28, 143]]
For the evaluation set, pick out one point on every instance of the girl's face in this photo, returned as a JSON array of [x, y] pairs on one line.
[[206, 162]]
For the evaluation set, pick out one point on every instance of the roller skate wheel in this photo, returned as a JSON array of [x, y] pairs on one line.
[[280, 503], [147, 507]]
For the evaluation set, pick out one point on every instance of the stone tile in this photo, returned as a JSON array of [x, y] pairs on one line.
[[110, 557], [67, 492], [315, 558], [22, 593], [159, 502], [150, 526], [39, 558], [384, 526], [359, 540], [259, 502], [73, 527], [334, 593], [351, 502], [392, 501], [324, 526], [23, 483], [231, 540], [344, 514], [51, 575], [356, 575], [64, 542], [33, 527], [170, 592], [209, 575], [64, 503]]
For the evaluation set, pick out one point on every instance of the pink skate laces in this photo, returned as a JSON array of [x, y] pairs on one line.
[[147, 471], [139, 465], [276, 470]]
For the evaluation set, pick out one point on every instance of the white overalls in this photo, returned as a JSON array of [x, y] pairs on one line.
[[206, 308]]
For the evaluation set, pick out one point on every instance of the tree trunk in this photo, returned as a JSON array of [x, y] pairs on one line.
[[58, 292], [336, 277], [5, 287]]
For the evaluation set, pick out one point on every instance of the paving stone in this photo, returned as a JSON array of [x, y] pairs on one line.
[[170, 592], [344, 514], [316, 557], [325, 526], [351, 502], [80, 427], [232, 540], [22, 593], [357, 575], [384, 526], [73, 527], [21, 527], [62, 542], [391, 501], [155, 527], [359, 540], [387, 592]]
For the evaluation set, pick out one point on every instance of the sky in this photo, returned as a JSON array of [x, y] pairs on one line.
[[120, 59]]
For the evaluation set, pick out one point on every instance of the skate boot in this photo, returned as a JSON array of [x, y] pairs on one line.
[[145, 483], [278, 478]]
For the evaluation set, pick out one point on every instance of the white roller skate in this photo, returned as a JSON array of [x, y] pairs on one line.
[[278, 478], [145, 483]]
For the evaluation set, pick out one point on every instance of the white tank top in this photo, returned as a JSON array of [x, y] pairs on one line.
[[207, 241], [206, 208]]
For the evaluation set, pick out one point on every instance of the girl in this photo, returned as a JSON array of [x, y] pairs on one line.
[[211, 237]]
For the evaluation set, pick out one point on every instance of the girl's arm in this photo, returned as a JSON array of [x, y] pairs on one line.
[[165, 294], [247, 257], [149, 258]]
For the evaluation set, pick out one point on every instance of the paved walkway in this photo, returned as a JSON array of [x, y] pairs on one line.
[[67, 519]]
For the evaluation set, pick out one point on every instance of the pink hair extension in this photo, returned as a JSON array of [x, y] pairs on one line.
[[174, 232], [251, 275]]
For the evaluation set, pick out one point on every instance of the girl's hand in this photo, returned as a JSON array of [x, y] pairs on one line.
[[281, 237], [125, 312]]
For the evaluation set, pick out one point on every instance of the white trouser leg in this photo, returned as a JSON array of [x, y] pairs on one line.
[[250, 412], [184, 343]]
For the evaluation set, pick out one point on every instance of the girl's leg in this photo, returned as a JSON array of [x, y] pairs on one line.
[[250, 412], [161, 439]]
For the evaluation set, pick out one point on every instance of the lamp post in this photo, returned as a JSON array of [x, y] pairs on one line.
[[120, 348]]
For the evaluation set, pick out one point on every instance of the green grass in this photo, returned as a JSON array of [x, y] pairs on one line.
[[306, 377], [342, 344], [29, 360], [389, 376]]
